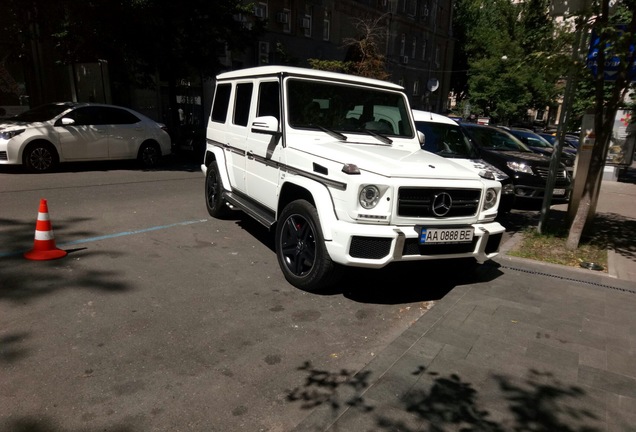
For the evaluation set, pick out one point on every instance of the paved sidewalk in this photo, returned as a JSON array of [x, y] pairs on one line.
[[523, 345]]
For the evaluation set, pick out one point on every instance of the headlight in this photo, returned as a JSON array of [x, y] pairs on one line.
[[520, 167], [7, 135], [491, 199], [487, 174], [369, 196]]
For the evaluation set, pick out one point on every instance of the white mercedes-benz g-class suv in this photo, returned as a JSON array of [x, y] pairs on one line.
[[335, 164]]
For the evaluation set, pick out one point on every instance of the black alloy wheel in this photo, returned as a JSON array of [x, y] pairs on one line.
[[301, 251], [216, 205]]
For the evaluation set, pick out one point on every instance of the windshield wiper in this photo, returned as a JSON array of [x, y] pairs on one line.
[[384, 139], [333, 133]]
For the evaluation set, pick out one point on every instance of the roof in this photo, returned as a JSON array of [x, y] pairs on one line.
[[432, 117], [304, 72]]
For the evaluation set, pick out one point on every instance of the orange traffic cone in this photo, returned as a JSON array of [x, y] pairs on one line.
[[44, 244]]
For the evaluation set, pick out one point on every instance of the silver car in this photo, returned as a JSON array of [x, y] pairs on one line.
[[44, 136]]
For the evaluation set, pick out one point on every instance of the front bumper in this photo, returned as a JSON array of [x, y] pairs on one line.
[[376, 246]]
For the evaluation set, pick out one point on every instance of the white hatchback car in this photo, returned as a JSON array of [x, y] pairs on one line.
[[64, 132]]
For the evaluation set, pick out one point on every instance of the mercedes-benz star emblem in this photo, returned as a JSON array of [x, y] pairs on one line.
[[442, 204]]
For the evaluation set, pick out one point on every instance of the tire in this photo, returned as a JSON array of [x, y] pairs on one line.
[[300, 249], [40, 157], [149, 155], [216, 205]]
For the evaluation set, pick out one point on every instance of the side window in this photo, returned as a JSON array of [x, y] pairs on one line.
[[221, 102], [242, 103], [85, 116], [117, 116], [269, 99]]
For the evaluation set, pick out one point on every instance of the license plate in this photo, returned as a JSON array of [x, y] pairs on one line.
[[558, 192], [446, 235]]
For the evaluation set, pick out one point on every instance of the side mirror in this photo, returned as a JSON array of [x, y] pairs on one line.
[[266, 125], [421, 138], [65, 121]]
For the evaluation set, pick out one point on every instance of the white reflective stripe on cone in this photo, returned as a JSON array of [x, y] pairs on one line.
[[43, 235], [43, 216]]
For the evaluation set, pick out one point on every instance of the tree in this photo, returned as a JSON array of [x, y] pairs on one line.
[[512, 58], [617, 42], [363, 56]]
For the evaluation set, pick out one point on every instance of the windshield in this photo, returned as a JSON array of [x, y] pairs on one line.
[[531, 139], [446, 140], [495, 139], [346, 108], [41, 113]]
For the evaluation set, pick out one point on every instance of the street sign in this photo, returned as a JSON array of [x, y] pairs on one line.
[[612, 61]]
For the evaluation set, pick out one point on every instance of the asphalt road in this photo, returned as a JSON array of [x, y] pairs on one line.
[[163, 319]]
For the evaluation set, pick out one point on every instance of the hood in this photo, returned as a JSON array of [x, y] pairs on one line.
[[529, 158], [478, 165], [7, 125], [389, 161]]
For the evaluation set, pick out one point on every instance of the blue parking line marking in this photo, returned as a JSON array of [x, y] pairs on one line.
[[109, 236]]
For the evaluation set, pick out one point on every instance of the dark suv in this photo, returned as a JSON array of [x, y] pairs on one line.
[[528, 170], [539, 144]]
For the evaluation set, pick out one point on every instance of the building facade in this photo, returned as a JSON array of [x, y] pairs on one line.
[[417, 39], [416, 42]]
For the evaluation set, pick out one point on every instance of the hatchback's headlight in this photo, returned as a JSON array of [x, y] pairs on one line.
[[520, 167], [369, 196], [7, 135], [491, 199]]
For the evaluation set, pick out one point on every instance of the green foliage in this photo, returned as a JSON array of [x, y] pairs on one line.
[[514, 56]]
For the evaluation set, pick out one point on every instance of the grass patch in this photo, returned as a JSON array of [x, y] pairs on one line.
[[550, 247]]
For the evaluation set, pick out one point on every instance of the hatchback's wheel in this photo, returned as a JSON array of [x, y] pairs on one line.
[[149, 155], [214, 201], [301, 251], [40, 157]]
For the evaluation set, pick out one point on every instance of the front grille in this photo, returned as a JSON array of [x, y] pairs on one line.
[[3, 155], [543, 172], [370, 247], [418, 202], [413, 247]]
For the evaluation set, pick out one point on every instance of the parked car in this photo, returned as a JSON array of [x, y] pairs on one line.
[[539, 144], [42, 137], [528, 170], [571, 142], [444, 136]]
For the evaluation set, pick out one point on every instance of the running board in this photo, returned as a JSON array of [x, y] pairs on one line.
[[258, 212]]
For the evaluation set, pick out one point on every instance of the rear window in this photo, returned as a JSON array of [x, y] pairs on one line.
[[221, 102]]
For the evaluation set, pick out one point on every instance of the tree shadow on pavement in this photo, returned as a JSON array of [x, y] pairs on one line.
[[616, 232], [30, 424], [438, 403]]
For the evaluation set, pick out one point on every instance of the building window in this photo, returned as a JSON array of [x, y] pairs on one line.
[[403, 45], [424, 49], [306, 25], [260, 10], [425, 11], [263, 53], [437, 53], [283, 19], [416, 88], [411, 7], [413, 47], [326, 26]]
